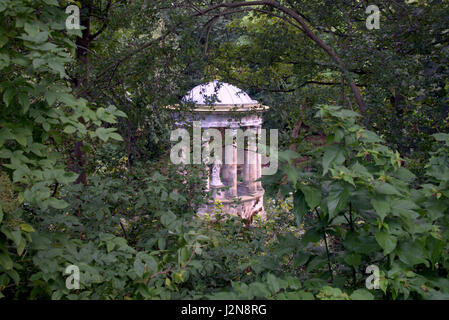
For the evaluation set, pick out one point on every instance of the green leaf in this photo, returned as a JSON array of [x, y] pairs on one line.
[[168, 218], [15, 236], [311, 236], [386, 188], [69, 129], [301, 259], [382, 207], [21, 246], [4, 59], [361, 294], [444, 137], [5, 261], [288, 155], [353, 259], [404, 208], [273, 283], [68, 99], [26, 227], [110, 246], [259, 290], [337, 199], [412, 253], [299, 207], [115, 136], [57, 203], [151, 264], [312, 195], [8, 96], [316, 263], [161, 243], [404, 175], [387, 241], [184, 254], [21, 135], [369, 136], [139, 267], [333, 154], [292, 174], [52, 2], [5, 134], [175, 196], [106, 133], [58, 68], [24, 101], [51, 97]]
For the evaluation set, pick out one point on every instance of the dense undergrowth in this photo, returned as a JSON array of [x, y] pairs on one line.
[[133, 235]]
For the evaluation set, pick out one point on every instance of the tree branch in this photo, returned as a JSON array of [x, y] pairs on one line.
[[305, 28]]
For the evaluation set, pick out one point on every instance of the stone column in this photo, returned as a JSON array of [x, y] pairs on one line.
[[206, 161], [246, 179], [259, 160], [252, 164], [231, 163], [225, 169]]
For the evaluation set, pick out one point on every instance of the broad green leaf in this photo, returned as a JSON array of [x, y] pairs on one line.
[[386, 188], [5, 261], [292, 174], [312, 195], [301, 259], [8, 96], [299, 207], [369, 136], [381, 206], [361, 294], [161, 243], [21, 246], [139, 267], [316, 263], [184, 255], [273, 283], [337, 199], [353, 259], [26, 227], [444, 137], [52, 2], [168, 218], [333, 154], [412, 253], [58, 68], [115, 136], [51, 97], [4, 59], [57, 203], [69, 129], [387, 241]]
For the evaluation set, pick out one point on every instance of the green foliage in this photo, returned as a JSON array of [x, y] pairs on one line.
[[366, 209], [38, 112]]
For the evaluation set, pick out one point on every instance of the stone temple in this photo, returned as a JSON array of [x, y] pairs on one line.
[[233, 174]]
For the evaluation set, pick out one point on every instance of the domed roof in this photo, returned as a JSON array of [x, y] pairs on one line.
[[218, 93]]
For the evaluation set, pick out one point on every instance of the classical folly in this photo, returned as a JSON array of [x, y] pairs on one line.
[[233, 174]]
